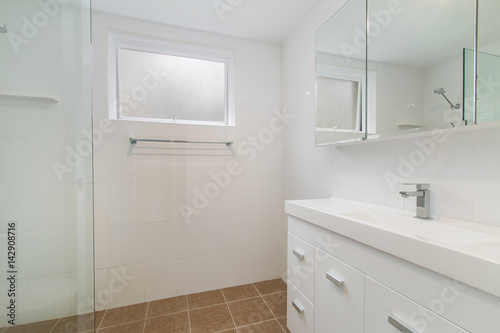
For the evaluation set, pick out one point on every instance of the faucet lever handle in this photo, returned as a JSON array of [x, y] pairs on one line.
[[420, 186]]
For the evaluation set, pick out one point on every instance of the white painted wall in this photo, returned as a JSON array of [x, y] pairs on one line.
[[462, 170], [139, 229]]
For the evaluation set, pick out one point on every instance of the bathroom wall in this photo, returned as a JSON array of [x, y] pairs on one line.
[[462, 167], [145, 248], [49, 200]]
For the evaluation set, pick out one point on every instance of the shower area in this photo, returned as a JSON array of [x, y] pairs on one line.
[[46, 191]]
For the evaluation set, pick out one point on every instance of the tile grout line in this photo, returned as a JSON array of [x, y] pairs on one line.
[[275, 318], [189, 313], [55, 324], [229, 310], [127, 323], [145, 318], [96, 327], [167, 314]]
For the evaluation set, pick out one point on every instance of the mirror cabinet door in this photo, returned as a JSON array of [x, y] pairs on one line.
[[419, 70], [341, 79], [488, 62]]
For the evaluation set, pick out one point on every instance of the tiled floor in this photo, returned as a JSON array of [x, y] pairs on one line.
[[253, 308]]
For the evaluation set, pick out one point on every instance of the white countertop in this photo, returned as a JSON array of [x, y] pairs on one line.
[[467, 252]]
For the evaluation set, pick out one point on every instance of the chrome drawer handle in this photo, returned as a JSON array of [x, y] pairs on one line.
[[338, 282], [298, 254], [399, 325], [298, 307]]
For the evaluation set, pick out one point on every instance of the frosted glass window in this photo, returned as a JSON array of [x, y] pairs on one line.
[[171, 82], [338, 104]]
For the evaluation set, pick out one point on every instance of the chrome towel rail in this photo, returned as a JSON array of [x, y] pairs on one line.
[[133, 141]]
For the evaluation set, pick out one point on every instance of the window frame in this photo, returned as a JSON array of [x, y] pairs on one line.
[[119, 40], [366, 123]]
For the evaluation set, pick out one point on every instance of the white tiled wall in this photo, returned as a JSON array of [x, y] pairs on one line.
[[462, 170], [54, 216], [138, 190]]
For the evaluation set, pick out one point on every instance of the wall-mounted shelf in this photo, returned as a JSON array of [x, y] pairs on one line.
[[406, 126], [30, 96]]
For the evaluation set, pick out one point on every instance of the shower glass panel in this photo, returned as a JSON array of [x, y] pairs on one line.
[[46, 192], [488, 62]]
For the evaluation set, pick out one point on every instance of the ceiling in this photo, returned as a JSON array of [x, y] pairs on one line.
[[262, 20]]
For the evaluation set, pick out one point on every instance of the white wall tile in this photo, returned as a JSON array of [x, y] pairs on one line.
[[126, 203], [13, 205], [159, 202], [219, 273], [189, 278], [127, 244], [50, 297], [101, 239], [13, 166], [246, 267], [48, 120], [160, 280], [12, 122], [101, 204], [48, 244], [102, 293], [205, 237], [126, 285]]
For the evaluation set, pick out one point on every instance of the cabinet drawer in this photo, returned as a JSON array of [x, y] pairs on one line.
[[300, 312], [388, 311], [340, 293], [301, 266]]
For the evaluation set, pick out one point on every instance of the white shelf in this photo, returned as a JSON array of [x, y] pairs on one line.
[[404, 126], [30, 96]]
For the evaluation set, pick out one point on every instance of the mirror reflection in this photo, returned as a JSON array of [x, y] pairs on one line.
[[488, 63], [418, 58]]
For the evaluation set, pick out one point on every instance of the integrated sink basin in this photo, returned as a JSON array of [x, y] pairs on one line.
[[467, 252]]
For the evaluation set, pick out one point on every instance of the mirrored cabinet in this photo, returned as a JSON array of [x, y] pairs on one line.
[[395, 67]]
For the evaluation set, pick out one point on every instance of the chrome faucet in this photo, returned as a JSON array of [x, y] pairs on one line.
[[423, 194]]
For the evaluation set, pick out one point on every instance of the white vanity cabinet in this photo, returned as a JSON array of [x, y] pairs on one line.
[[349, 287], [340, 293], [388, 311]]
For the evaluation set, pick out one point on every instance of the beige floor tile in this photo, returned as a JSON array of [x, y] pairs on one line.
[[277, 304], [249, 311], [266, 327], [282, 322], [211, 319], [74, 324], [207, 298], [178, 323], [124, 315], [240, 292], [271, 286], [134, 327], [167, 306]]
